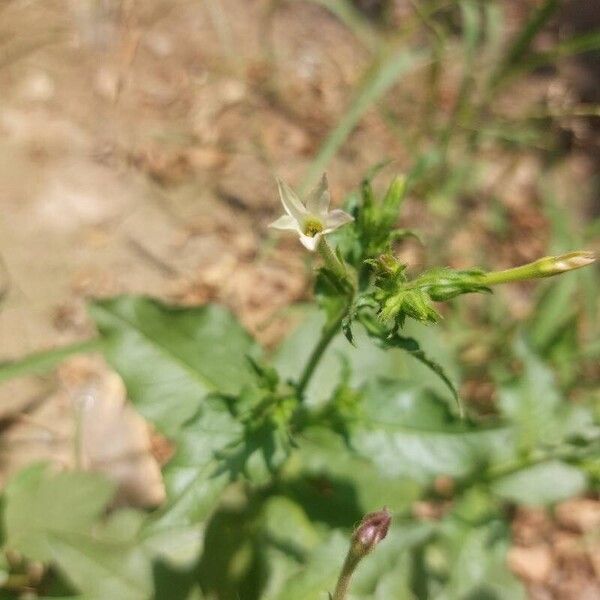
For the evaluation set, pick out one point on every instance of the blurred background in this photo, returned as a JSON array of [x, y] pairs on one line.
[[138, 146]]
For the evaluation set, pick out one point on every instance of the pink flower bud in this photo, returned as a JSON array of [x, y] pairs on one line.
[[372, 529]]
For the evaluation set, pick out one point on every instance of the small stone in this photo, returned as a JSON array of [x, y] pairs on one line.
[[580, 514], [530, 563]]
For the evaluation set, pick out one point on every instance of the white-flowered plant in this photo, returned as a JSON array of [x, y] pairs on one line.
[[312, 219], [255, 422]]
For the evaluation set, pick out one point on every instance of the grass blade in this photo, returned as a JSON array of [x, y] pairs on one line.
[[378, 80], [522, 43], [41, 362]]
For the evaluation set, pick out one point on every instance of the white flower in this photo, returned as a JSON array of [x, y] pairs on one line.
[[312, 220]]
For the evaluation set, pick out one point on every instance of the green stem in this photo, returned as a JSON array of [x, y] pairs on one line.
[[327, 335], [563, 454], [343, 583], [333, 263]]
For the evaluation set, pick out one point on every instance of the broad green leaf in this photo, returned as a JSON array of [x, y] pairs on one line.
[[394, 583], [408, 431], [545, 483], [411, 346], [110, 563], [382, 570], [365, 360], [477, 563], [287, 525], [337, 486], [533, 403], [289, 538], [386, 568], [177, 546], [232, 565], [313, 580], [191, 477], [4, 569], [171, 358], [476, 505], [56, 517], [42, 507]]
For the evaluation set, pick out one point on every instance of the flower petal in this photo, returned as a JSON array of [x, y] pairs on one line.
[[285, 222], [310, 243], [290, 201], [336, 218], [318, 200]]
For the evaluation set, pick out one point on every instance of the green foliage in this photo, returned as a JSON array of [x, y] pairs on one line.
[[407, 431], [56, 517], [544, 483], [41, 508], [168, 357], [278, 456]]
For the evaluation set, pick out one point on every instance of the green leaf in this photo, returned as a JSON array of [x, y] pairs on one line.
[[579, 44], [520, 46], [171, 358], [533, 403], [41, 507], [408, 431], [545, 483], [477, 557], [56, 517], [387, 568], [110, 563], [318, 576], [553, 312], [193, 483], [287, 526], [411, 346], [377, 573], [336, 485], [363, 361]]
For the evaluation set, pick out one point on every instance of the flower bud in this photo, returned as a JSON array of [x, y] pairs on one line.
[[553, 265], [371, 530], [544, 267]]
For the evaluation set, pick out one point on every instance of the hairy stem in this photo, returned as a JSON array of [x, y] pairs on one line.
[[332, 262]]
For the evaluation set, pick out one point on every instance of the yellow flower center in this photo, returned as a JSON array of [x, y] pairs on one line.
[[312, 226]]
